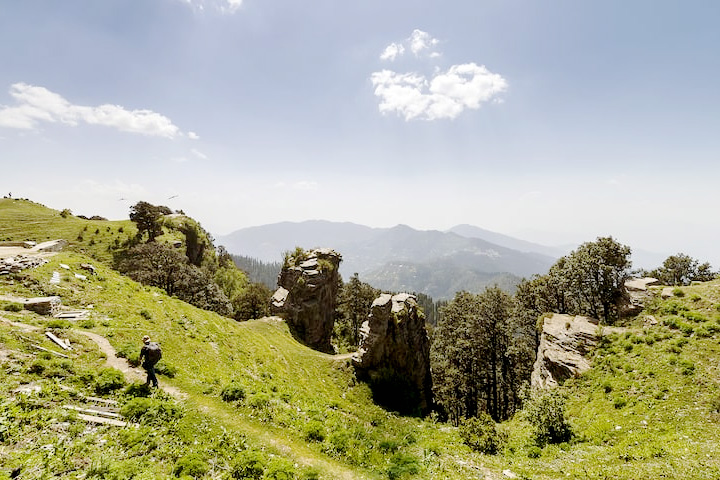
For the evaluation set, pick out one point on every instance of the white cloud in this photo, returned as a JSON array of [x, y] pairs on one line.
[[38, 104], [421, 41], [199, 154], [226, 7], [418, 42], [392, 51], [445, 95], [193, 136]]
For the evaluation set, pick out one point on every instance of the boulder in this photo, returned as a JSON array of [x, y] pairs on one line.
[[564, 342], [394, 352], [306, 297], [43, 305], [637, 295]]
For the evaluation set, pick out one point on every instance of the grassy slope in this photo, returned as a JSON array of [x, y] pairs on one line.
[[659, 385]]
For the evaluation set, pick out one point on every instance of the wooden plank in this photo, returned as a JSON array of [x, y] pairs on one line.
[[55, 339], [101, 400], [50, 351], [93, 411], [105, 421]]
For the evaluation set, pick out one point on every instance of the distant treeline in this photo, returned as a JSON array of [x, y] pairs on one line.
[[259, 271]]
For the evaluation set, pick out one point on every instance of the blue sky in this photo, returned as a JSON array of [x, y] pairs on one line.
[[553, 121]]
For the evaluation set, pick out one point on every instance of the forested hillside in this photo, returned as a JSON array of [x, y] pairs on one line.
[[246, 400]]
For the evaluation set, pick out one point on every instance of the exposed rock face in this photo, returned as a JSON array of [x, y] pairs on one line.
[[43, 305], [19, 263], [306, 297], [394, 342], [564, 342], [637, 294]]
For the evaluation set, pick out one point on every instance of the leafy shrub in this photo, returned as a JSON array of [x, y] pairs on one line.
[[164, 368], [145, 314], [310, 474], [678, 292], [248, 464], [280, 469], [694, 316], [315, 431], [338, 442], [150, 409], [261, 400], [673, 308], [619, 402], [59, 323], [534, 452], [389, 446], [546, 413], [86, 323], [233, 392], [191, 465], [480, 434], [109, 380], [138, 389], [402, 465], [13, 307], [131, 352]]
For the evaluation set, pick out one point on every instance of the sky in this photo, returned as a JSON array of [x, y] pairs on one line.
[[556, 121]]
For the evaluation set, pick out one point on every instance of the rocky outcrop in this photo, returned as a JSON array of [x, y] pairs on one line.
[[564, 342], [43, 305], [19, 263], [394, 353], [638, 294], [306, 297]]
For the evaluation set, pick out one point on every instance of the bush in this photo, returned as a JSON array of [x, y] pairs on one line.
[[145, 314], [164, 368], [249, 464], [480, 434], [232, 392], [150, 409], [402, 465], [191, 465], [534, 452], [13, 307], [137, 389], [59, 323], [546, 413], [109, 380], [280, 469], [678, 292], [314, 431]]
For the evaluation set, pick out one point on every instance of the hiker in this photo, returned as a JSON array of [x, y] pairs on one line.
[[150, 354]]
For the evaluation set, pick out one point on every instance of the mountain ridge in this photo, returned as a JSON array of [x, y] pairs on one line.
[[370, 251]]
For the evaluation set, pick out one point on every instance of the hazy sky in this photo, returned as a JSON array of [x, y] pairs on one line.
[[555, 121]]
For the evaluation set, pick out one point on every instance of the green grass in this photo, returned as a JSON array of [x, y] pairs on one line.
[[649, 408]]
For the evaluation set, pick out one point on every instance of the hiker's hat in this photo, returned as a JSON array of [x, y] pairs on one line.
[[146, 338]]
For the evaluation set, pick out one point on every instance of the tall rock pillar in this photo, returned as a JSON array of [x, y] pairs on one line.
[[306, 296], [394, 354]]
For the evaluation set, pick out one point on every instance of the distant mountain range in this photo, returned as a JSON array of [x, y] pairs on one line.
[[402, 258]]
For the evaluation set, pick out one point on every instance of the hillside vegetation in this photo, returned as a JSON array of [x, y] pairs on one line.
[[251, 402]]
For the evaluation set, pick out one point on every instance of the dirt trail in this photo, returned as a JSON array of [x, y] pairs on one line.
[[131, 374], [112, 360]]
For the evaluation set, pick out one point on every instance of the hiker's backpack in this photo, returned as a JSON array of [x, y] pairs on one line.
[[153, 353]]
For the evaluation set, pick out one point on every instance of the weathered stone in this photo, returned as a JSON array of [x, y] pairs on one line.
[[637, 295], [306, 297], [393, 340], [43, 305], [19, 263], [564, 342]]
